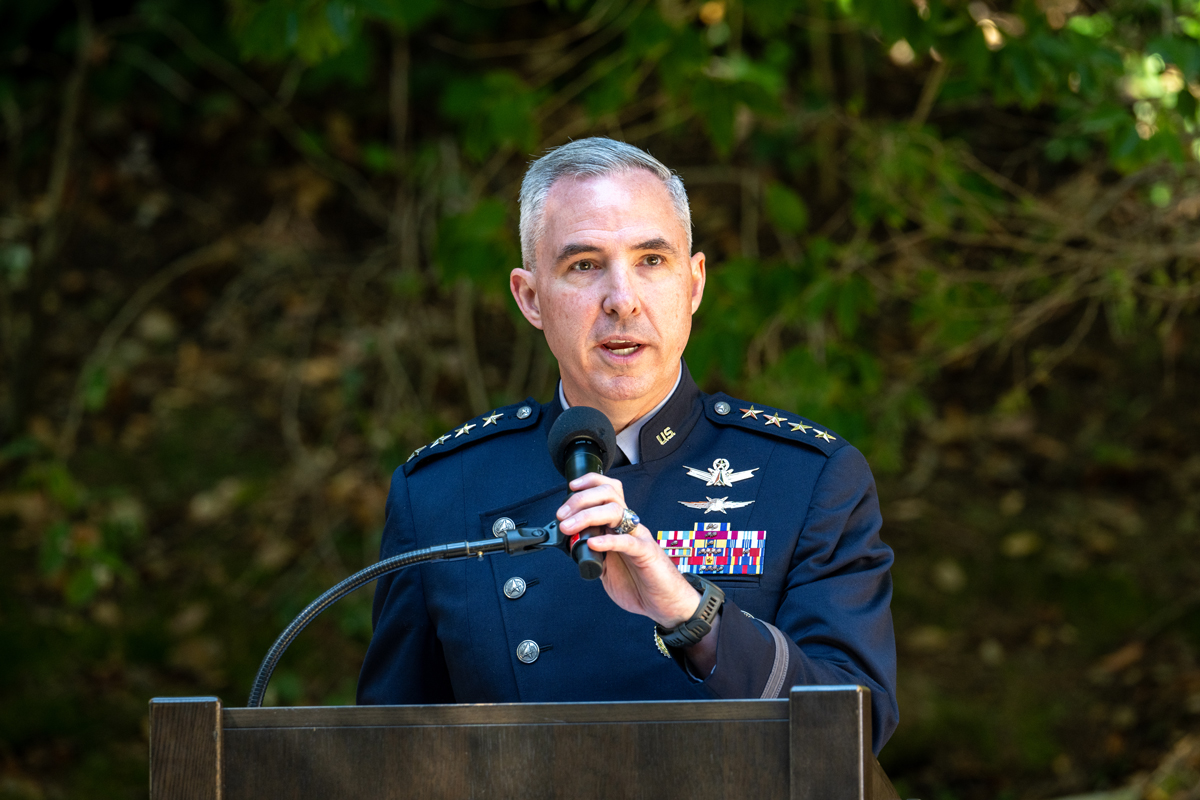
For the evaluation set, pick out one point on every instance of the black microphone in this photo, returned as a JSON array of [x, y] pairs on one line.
[[582, 440]]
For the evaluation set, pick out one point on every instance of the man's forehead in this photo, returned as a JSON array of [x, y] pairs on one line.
[[633, 205], [629, 181]]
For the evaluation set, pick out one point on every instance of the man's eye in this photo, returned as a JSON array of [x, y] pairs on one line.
[[653, 261], [583, 266]]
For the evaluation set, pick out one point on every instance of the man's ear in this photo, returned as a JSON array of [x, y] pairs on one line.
[[521, 283], [698, 276]]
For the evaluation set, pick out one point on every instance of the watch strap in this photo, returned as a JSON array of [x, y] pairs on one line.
[[697, 627]]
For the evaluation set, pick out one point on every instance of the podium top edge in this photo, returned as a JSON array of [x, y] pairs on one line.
[[849, 687], [649, 711]]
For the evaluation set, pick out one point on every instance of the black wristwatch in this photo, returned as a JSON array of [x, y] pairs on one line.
[[688, 633]]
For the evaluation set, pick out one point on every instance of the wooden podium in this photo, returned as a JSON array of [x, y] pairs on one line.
[[815, 745]]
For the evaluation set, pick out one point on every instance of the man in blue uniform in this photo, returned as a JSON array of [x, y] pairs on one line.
[[753, 561]]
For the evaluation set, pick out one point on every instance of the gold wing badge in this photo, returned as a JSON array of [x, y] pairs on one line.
[[720, 474], [722, 504]]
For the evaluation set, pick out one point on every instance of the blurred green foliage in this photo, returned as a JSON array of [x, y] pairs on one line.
[[254, 253]]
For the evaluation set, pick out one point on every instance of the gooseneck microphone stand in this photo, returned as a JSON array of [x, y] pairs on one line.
[[580, 441], [517, 542]]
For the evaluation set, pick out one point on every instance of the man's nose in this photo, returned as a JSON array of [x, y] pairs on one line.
[[621, 297]]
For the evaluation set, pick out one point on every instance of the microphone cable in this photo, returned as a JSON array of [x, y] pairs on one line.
[[439, 552]]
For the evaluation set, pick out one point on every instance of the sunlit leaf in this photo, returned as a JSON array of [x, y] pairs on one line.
[[785, 208]]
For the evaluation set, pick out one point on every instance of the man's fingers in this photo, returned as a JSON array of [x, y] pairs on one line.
[[630, 545], [605, 516], [590, 479], [595, 497]]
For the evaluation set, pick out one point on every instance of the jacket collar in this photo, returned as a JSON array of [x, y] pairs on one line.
[[666, 431]]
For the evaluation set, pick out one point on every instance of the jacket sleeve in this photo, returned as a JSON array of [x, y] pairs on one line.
[[834, 614], [404, 662]]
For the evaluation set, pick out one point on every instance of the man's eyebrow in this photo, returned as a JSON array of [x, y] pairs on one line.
[[571, 250], [657, 243]]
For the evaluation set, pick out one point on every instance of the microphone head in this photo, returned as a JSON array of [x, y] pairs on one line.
[[581, 422]]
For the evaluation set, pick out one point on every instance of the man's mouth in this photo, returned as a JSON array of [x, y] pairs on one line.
[[621, 347]]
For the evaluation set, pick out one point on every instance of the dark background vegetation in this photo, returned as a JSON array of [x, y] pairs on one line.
[[252, 254]]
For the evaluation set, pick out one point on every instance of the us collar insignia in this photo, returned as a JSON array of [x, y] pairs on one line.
[[722, 504], [720, 474]]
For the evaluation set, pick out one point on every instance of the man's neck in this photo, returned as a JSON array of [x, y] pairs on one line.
[[622, 415]]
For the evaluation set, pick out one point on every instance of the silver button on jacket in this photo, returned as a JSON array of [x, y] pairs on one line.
[[528, 651]]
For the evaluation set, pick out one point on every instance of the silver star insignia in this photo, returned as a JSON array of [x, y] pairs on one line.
[[774, 419], [751, 412], [720, 474], [415, 452], [717, 504], [440, 440], [465, 429], [799, 426], [825, 436], [491, 418]]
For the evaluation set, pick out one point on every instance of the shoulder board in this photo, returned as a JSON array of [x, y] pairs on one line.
[[731, 412], [506, 419]]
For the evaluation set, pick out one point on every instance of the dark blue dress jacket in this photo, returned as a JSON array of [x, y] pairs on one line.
[[812, 567]]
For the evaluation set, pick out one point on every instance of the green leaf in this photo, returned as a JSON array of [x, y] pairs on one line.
[[479, 245], [21, 447], [379, 157], [95, 389], [717, 103], [408, 15], [1094, 26], [55, 548], [785, 208], [1160, 194], [314, 30], [1022, 67], [495, 110], [81, 586], [855, 300]]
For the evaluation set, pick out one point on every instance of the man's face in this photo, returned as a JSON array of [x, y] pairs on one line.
[[614, 289]]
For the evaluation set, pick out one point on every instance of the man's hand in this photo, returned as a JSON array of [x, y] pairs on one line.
[[638, 575]]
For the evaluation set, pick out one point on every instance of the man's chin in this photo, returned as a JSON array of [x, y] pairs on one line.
[[622, 388]]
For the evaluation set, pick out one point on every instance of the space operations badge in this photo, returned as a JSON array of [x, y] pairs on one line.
[[710, 548]]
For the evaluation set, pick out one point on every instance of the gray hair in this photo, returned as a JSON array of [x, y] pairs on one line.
[[589, 158]]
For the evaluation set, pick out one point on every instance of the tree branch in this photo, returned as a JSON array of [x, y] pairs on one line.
[[215, 253], [929, 93], [272, 111], [554, 41], [27, 361], [577, 54]]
